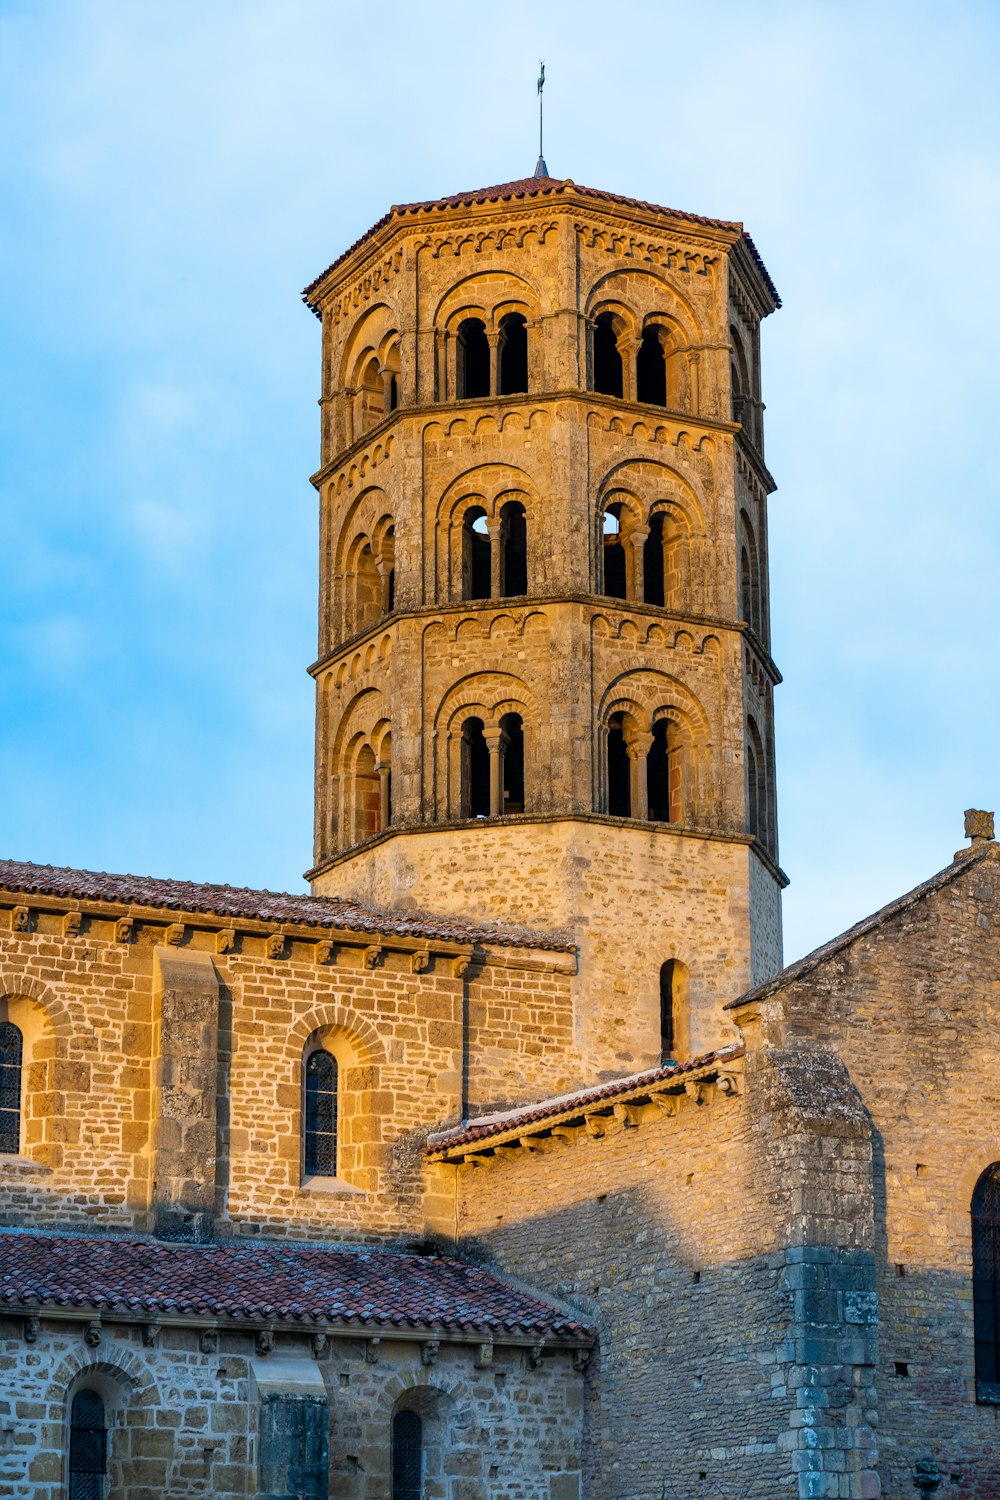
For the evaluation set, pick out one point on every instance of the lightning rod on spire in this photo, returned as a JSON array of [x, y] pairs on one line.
[[541, 170]]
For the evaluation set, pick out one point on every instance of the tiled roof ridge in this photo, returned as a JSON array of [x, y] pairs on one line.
[[260, 905], [365, 1285], [506, 1121], [810, 961], [534, 187]]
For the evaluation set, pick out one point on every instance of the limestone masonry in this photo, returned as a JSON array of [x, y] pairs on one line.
[[510, 1164]]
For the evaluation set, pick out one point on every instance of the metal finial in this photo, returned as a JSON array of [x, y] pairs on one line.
[[541, 170]]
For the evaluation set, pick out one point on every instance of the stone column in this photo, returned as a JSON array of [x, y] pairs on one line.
[[495, 531], [628, 349], [638, 748], [634, 572], [496, 742], [387, 391], [493, 339], [385, 807], [185, 1064]]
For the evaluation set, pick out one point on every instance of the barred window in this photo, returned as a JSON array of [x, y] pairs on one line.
[[407, 1456], [11, 1049], [321, 1115], [986, 1282], [87, 1447]]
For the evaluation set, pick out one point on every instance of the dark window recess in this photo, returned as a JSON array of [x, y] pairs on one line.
[[473, 359], [986, 1282], [651, 370], [514, 534], [513, 354], [407, 1456], [293, 1450], [393, 392], [11, 1049], [614, 555], [667, 1021], [652, 562], [477, 582], [607, 359], [390, 591], [513, 763], [475, 770], [658, 775], [321, 1115], [88, 1442], [619, 779]]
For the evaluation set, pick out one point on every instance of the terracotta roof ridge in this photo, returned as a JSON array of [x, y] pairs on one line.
[[500, 1122], [810, 961]]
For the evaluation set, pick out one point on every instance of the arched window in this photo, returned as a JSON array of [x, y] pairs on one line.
[[372, 395], [607, 358], [477, 579], [367, 795], [407, 1456], [653, 562], [387, 569], [512, 742], [513, 354], [986, 1282], [475, 770], [757, 808], [514, 549], [663, 774], [367, 590], [651, 368], [88, 1444], [473, 359], [619, 777], [753, 804], [668, 1027], [615, 582], [746, 586], [11, 1056], [320, 1113]]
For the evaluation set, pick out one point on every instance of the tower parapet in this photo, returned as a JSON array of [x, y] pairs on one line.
[[544, 686]]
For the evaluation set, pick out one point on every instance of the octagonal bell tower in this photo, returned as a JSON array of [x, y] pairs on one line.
[[544, 684]]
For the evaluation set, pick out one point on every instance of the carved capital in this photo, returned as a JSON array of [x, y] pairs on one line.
[[274, 945], [123, 930], [19, 919], [72, 922], [225, 940], [174, 934]]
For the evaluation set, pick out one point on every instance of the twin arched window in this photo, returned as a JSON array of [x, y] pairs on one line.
[[320, 1115], [646, 785], [492, 769], [88, 1444], [478, 374], [11, 1058], [609, 374], [495, 567], [651, 573]]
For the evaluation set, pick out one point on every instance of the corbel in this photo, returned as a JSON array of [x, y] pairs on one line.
[[31, 1329], [263, 1341], [150, 1333], [474, 1159], [460, 966], [209, 1341], [695, 1090], [429, 1350], [373, 956], [371, 1351], [420, 960], [225, 940], [529, 1143], [506, 1151], [484, 1356], [72, 922], [174, 934], [565, 1133], [274, 945], [92, 1333], [19, 919], [535, 1355], [595, 1125], [323, 951], [319, 1343], [668, 1104], [123, 930], [627, 1115], [581, 1359], [730, 1084]]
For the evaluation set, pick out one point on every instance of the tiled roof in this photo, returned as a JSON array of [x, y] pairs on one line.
[[881, 918], [265, 906], [511, 1121], [268, 1282], [539, 187]]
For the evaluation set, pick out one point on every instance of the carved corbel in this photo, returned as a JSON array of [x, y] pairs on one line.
[[209, 1341], [529, 1143], [150, 1333], [730, 1084], [484, 1356], [695, 1090], [535, 1356], [595, 1125], [323, 951], [420, 960], [174, 934], [72, 922], [274, 945], [225, 940], [429, 1350], [31, 1329], [373, 956], [581, 1359], [19, 919], [123, 930], [627, 1115], [319, 1343], [474, 1159], [668, 1104], [264, 1341], [460, 967], [564, 1133], [92, 1333], [371, 1351]]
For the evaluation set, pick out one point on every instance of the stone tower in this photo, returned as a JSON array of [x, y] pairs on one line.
[[544, 685]]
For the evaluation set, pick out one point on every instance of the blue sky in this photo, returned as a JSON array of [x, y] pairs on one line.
[[173, 174]]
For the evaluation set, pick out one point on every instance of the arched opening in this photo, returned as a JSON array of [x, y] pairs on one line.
[[651, 368], [393, 390], [390, 590], [668, 1039], [367, 795], [619, 777], [746, 586], [756, 784], [319, 1115], [750, 603], [475, 770], [658, 768], [407, 1456], [512, 743], [986, 1282], [607, 358], [615, 572], [11, 1059], [514, 549], [88, 1446], [387, 559], [372, 394], [477, 581], [513, 354], [367, 590], [653, 562], [473, 374]]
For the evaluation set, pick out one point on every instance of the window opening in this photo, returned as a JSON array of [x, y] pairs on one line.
[[367, 589], [372, 396], [513, 354], [367, 795], [87, 1446], [986, 1282], [512, 726], [619, 779], [651, 369], [390, 591], [407, 1456], [514, 542], [475, 770], [658, 768], [753, 800], [668, 1039], [746, 587], [477, 579], [653, 561], [607, 359], [473, 359], [11, 1054], [321, 1115], [393, 392], [614, 554]]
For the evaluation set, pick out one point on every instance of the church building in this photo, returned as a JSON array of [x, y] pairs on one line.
[[510, 1163]]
